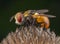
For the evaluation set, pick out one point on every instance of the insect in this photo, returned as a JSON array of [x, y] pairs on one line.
[[33, 16]]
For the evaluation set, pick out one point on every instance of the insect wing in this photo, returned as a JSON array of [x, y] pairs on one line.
[[42, 11], [51, 16]]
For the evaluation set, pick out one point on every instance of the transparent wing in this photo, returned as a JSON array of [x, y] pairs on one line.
[[42, 11], [51, 16], [36, 11]]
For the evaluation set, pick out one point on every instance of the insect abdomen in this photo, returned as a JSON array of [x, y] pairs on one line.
[[45, 21]]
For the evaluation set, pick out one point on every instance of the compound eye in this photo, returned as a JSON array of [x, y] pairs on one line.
[[18, 17]]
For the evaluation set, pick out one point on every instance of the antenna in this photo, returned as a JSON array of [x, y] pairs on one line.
[[12, 18]]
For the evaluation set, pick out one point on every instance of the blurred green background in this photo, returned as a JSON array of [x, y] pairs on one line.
[[10, 7]]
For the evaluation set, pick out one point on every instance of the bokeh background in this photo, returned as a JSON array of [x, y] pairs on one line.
[[10, 7]]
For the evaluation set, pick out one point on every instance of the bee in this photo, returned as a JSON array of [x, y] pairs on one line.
[[33, 16]]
